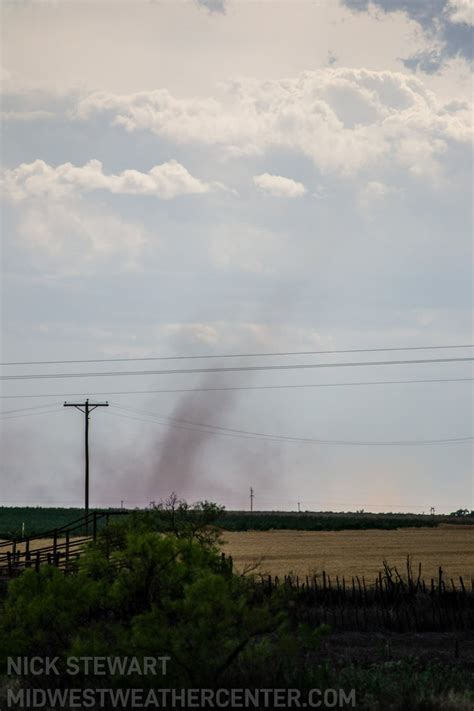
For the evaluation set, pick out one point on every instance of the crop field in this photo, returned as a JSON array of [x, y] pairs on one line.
[[351, 553], [346, 553], [38, 520]]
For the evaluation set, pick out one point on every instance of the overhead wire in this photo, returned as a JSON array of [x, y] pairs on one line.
[[177, 423], [239, 387], [232, 355], [29, 414], [24, 409], [232, 369]]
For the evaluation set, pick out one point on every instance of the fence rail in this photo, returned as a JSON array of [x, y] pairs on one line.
[[63, 549]]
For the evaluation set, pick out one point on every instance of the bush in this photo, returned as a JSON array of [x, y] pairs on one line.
[[141, 592]]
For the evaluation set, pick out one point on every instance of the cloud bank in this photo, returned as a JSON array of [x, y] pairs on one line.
[[344, 120], [38, 179]]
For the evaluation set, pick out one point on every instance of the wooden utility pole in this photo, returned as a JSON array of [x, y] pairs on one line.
[[88, 407], [251, 500]]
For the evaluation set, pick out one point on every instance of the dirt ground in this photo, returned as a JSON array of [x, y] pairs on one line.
[[356, 552]]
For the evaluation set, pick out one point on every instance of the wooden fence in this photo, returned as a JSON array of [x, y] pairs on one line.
[[62, 549], [392, 601]]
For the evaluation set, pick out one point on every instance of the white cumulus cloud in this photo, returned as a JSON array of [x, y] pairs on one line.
[[344, 120], [279, 186], [461, 11], [38, 179]]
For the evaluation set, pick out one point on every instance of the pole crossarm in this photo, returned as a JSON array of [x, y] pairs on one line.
[[92, 406]]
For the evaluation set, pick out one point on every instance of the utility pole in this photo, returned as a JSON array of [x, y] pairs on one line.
[[251, 499], [88, 407], [299, 507]]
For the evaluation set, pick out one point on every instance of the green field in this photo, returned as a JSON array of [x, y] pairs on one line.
[[39, 520]]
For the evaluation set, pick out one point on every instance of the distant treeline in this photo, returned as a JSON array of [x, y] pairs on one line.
[[38, 520], [234, 521]]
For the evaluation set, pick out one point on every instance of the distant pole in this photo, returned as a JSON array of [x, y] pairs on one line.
[[88, 407], [251, 499], [299, 507], [121, 504]]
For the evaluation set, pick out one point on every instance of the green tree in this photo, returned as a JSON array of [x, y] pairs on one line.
[[144, 592]]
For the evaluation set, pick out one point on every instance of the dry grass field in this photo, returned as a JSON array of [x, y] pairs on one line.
[[42, 542], [347, 553], [351, 553]]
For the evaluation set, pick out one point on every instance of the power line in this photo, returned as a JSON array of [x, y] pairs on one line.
[[245, 434], [30, 414], [231, 355], [233, 369], [23, 409], [241, 387]]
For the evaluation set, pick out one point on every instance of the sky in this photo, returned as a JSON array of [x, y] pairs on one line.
[[225, 177]]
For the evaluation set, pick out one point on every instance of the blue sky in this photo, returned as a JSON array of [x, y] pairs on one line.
[[216, 177]]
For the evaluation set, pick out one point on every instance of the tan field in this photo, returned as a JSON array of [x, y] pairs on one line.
[[346, 553], [351, 553], [42, 542]]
